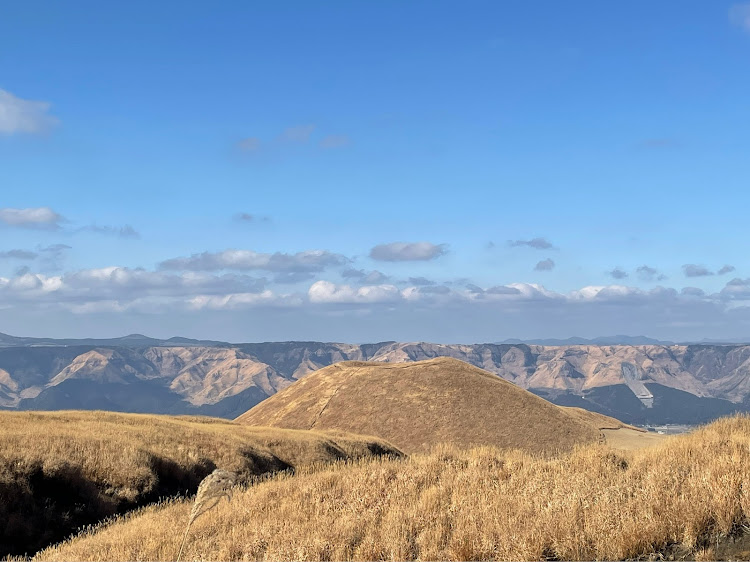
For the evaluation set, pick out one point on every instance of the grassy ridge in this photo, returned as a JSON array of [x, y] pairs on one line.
[[62, 470], [687, 496]]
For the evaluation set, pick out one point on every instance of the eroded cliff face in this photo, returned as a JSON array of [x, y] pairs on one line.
[[222, 379]]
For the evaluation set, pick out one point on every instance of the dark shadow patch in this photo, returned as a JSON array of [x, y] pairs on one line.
[[43, 507]]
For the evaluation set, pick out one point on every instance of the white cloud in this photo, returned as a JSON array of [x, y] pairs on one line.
[[24, 116], [36, 217], [466, 311], [28, 285], [533, 291], [327, 292], [408, 251], [242, 300], [605, 292], [121, 284]]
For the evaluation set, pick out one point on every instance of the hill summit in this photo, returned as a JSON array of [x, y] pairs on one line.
[[418, 405]]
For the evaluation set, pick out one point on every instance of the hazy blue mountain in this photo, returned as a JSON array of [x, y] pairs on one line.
[[131, 340], [603, 340]]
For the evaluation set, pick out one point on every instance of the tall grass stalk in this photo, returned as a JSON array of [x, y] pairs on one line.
[[215, 486]]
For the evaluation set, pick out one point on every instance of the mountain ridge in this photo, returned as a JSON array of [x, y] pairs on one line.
[[634, 383]]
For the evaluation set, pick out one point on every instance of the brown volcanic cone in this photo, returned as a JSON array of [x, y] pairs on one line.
[[418, 405]]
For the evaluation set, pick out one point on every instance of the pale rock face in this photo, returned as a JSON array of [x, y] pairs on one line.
[[7, 381], [8, 388], [208, 375], [101, 365]]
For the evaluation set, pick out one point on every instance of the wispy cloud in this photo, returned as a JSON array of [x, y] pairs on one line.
[[726, 269], [618, 273], [334, 141], [536, 243], [693, 270], [421, 281], [242, 260], [660, 143], [647, 273], [49, 257], [24, 116], [18, 255], [251, 218], [693, 292], [298, 134], [494, 290], [53, 256], [408, 251], [249, 144], [288, 139], [293, 277], [373, 277], [739, 15], [545, 265], [36, 217], [126, 231]]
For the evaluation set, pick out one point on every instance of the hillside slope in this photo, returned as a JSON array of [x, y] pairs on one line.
[[62, 470], [681, 500], [418, 405]]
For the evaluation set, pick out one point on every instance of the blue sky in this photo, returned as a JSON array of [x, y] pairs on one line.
[[365, 171]]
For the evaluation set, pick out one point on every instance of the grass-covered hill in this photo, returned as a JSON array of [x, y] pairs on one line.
[[686, 498], [62, 470], [419, 405]]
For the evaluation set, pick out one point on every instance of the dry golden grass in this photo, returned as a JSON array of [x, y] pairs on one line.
[[421, 404], [687, 496], [627, 439], [61, 470]]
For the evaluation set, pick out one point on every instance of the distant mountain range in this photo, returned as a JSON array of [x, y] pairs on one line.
[[644, 383], [139, 340], [606, 340], [132, 340]]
